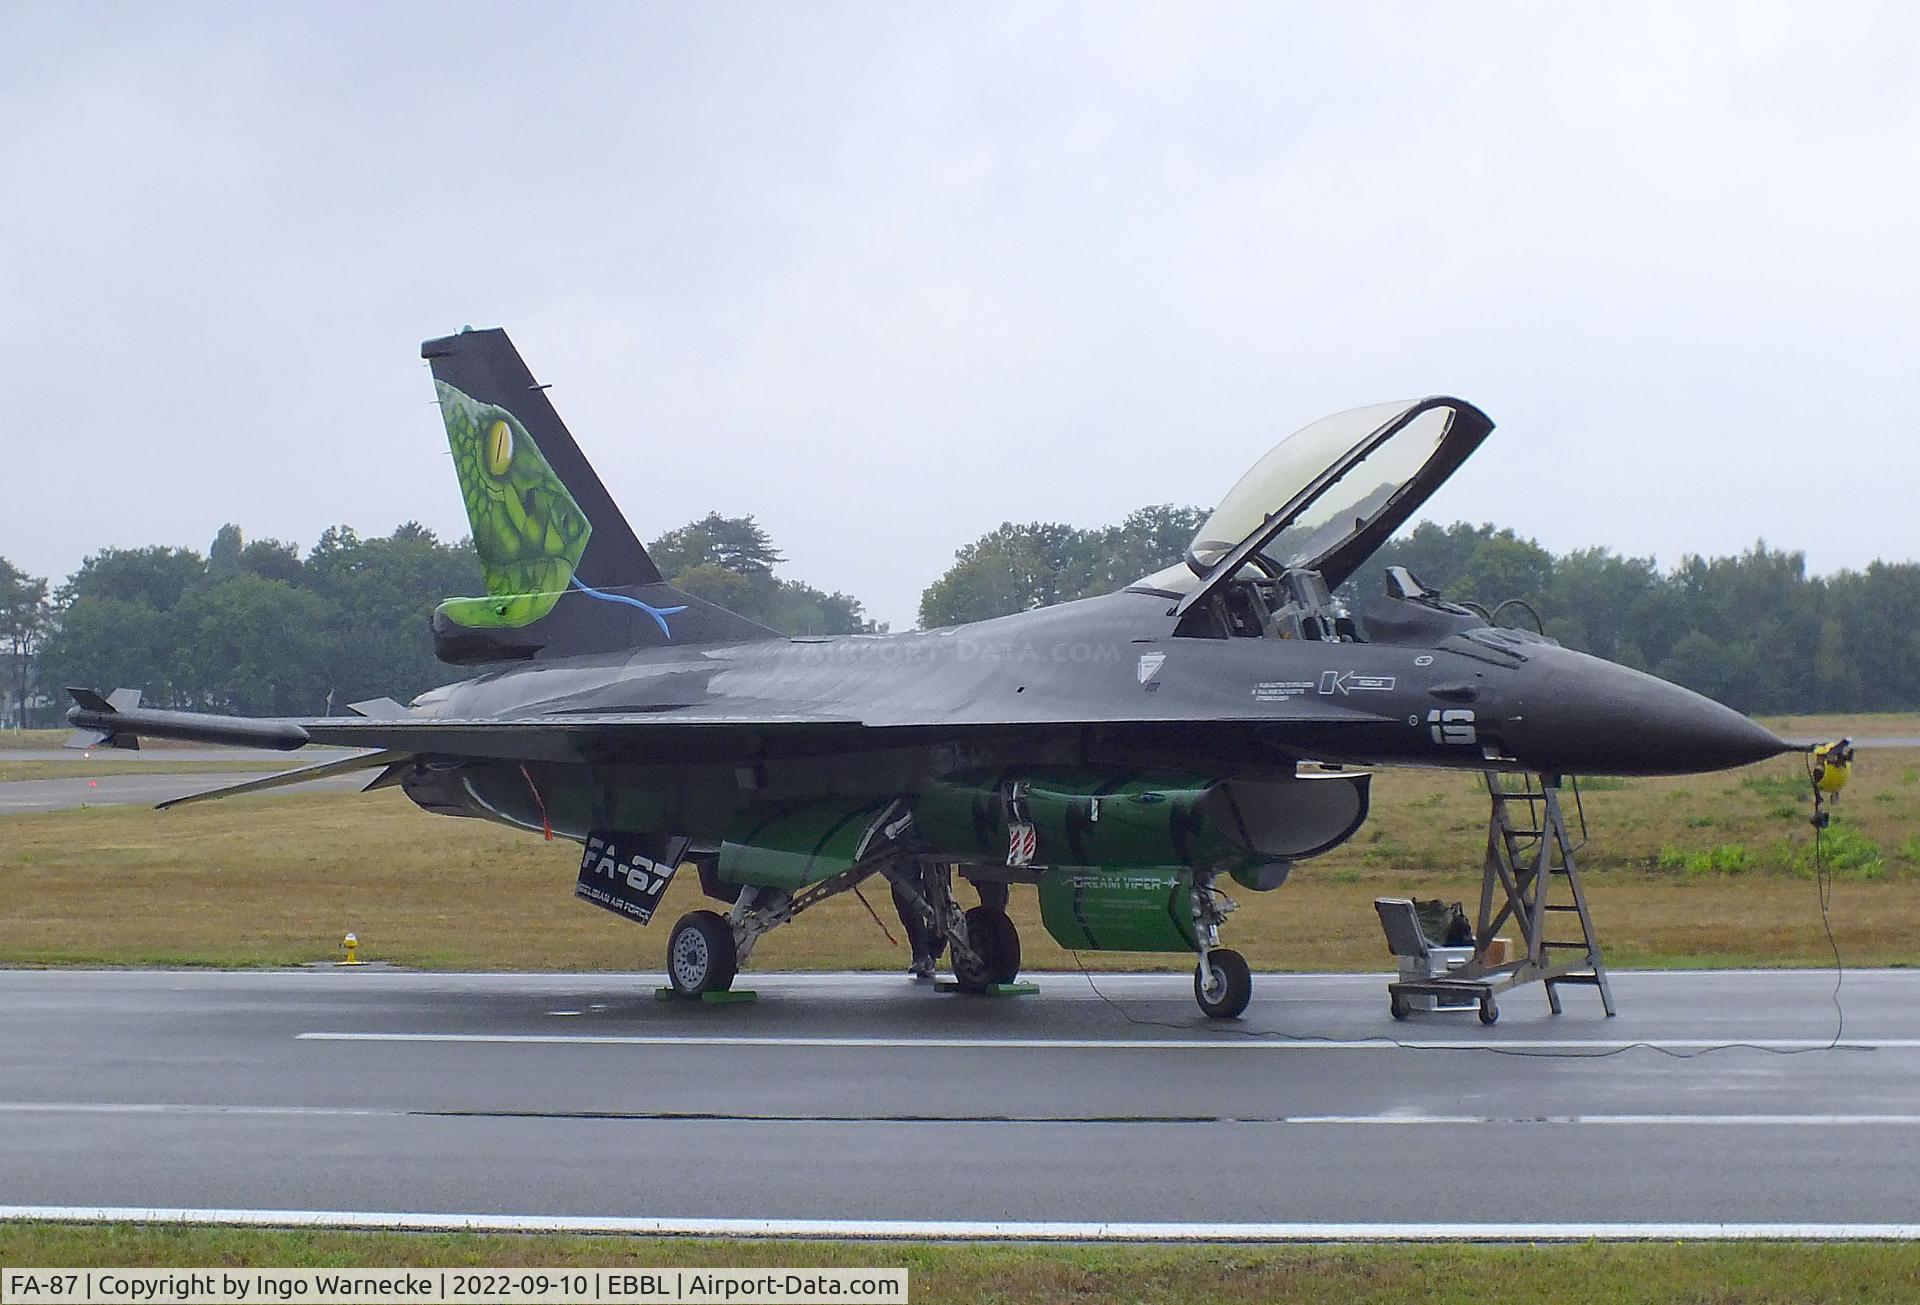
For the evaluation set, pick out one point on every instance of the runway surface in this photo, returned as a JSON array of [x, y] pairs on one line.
[[523, 1099]]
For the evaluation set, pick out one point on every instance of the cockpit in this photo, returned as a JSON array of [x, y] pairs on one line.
[[1268, 562]]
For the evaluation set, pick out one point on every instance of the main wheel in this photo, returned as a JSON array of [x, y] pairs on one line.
[[994, 940], [1398, 1006], [701, 955], [1489, 1012], [1222, 984]]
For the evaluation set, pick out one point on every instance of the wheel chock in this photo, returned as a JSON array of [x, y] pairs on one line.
[[732, 997], [992, 989]]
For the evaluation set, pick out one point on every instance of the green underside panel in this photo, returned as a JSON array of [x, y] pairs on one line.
[[793, 846], [1146, 909], [1092, 816]]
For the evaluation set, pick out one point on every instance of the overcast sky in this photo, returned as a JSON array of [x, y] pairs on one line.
[[887, 275]]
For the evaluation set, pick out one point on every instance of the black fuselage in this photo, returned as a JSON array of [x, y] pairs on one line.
[[1100, 682]]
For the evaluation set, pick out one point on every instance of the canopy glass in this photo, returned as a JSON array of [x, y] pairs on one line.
[[1323, 487]]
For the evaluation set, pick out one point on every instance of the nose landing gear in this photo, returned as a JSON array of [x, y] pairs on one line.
[[1223, 983], [1222, 980]]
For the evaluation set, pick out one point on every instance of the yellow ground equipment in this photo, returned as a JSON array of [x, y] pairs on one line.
[[1829, 766]]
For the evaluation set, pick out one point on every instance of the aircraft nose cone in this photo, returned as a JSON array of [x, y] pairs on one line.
[[1584, 716]]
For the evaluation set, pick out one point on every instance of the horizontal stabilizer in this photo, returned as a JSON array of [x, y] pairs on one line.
[[88, 740], [305, 774], [391, 775], [378, 709]]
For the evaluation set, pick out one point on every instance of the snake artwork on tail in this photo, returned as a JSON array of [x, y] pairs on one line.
[[527, 529]]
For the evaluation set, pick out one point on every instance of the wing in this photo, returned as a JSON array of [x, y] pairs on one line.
[[704, 733]]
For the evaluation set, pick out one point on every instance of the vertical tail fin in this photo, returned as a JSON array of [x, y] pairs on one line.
[[565, 572]]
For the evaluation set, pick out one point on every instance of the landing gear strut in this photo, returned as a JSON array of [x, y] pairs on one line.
[[984, 942], [1222, 980]]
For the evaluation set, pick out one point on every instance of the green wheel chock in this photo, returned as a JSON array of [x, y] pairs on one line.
[[993, 989], [728, 998]]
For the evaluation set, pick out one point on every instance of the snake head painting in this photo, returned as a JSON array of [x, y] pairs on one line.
[[527, 529]]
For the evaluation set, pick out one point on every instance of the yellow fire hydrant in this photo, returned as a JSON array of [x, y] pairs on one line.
[[352, 944]]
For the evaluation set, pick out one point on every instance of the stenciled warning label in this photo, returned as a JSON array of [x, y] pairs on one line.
[[520, 1286]]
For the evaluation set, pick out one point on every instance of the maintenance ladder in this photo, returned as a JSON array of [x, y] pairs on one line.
[[1532, 872]]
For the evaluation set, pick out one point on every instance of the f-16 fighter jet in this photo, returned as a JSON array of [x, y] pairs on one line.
[[1128, 755]]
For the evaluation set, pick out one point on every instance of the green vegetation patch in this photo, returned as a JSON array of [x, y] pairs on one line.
[[1750, 1273]]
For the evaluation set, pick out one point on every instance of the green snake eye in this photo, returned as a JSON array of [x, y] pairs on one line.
[[499, 448]]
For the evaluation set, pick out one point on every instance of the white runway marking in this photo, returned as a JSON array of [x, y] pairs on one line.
[[977, 1230], [1391, 1120], [176, 1108], [1224, 1042]]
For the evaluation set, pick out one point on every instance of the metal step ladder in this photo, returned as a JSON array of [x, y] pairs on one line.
[[1531, 878], [1533, 873]]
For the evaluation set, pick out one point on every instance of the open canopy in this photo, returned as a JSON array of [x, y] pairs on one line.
[[1326, 497]]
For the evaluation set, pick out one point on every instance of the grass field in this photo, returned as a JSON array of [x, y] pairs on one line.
[[1883, 725], [18, 740], [1748, 1273], [1706, 871]]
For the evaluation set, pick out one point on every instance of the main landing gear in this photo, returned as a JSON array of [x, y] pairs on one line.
[[701, 954], [706, 950], [992, 951], [983, 941]]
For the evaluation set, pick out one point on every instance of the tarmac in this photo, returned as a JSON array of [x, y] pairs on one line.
[[850, 1104]]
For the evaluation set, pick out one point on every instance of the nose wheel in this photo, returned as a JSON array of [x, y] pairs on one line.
[[1223, 983]]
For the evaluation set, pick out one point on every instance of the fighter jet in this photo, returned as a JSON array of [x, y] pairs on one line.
[[1127, 754]]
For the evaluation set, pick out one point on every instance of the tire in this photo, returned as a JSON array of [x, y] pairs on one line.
[[701, 955], [1398, 1005], [996, 942], [1226, 997], [1489, 1013]]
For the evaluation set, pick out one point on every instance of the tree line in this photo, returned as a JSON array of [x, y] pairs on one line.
[[1754, 631], [256, 627]]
